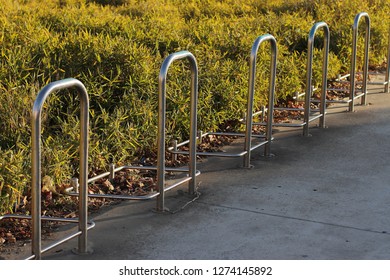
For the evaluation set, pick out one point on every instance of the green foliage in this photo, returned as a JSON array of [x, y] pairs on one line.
[[116, 47], [108, 2], [13, 177]]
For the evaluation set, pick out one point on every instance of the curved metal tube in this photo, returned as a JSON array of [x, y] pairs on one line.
[[65, 239], [128, 197], [36, 162], [162, 120], [355, 29], [251, 93], [387, 77], [309, 73]]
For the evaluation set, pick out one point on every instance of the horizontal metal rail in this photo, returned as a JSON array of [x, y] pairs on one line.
[[91, 225], [301, 124], [219, 154], [119, 196], [377, 83], [299, 109], [43, 218], [342, 78], [73, 191], [117, 169], [238, 134], [174, 149]]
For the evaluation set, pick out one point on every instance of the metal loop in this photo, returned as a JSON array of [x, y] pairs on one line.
[[355, 29], [36, 162], [309, 72], [251, 93], [162, 79]]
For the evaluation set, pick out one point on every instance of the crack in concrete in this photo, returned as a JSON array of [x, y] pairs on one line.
[[294, 218]]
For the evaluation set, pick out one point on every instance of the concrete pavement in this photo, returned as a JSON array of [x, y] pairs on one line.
[[320, 197]]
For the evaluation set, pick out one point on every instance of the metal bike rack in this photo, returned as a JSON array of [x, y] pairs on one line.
[[309, 88], [386, 82], [387, 77], [161, 168], [352, 74], [36, 181], [363, 95], [248, 147]]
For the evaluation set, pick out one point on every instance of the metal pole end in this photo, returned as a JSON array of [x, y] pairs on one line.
[[76, 251], [199, 136], [74, 183], [112, 171], [158, 210], [250, 166]]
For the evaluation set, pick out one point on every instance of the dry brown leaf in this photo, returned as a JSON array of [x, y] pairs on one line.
[[70, 215]]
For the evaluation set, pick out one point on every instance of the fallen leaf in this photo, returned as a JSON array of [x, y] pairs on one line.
[[10, 238], [70, 215]]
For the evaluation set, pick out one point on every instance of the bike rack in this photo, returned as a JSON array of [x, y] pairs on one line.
[[387, 78], [309, 89], [82, 192], [386, 82], [161, 168], [248, 148], [36, 181], [352, 74], [363, 95]]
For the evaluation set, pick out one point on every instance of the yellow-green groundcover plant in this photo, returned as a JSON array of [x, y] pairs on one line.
[[116, 47]]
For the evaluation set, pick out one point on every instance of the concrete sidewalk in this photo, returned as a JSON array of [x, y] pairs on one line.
[[320, 197]]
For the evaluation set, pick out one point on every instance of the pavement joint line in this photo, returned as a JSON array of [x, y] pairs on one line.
[[293, 218]]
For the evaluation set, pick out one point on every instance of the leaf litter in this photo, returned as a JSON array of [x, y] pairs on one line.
[[55, 202]]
